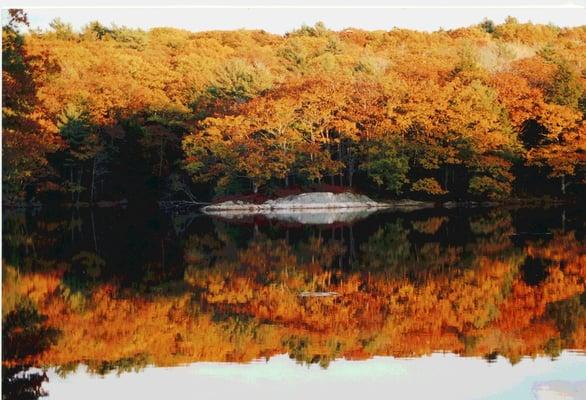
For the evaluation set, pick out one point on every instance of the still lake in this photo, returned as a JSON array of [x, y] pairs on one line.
[[463, 303]]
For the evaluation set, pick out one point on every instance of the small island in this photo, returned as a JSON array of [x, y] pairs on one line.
[[310, 202]]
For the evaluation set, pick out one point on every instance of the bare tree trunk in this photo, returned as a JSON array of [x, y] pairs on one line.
[[71, 180], [79, 179], [350, 168], [340, 159], [254, 187], [564, 184], [352, 246], [31, 239], [446, 175], [94, 232], [161, 159], [93, 181], [343, 246], [163, 254], [329, 151]]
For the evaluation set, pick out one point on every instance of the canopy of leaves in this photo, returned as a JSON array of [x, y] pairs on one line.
[[249, 109]]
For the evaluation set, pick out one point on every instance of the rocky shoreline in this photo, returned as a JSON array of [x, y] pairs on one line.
[[311, 203]]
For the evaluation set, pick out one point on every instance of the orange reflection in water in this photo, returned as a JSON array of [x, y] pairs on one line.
[[249, 306]]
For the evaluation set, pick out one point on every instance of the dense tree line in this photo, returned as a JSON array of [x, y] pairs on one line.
[[487, 112]]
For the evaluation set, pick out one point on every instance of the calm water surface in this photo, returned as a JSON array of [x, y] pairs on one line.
[[459, 304]]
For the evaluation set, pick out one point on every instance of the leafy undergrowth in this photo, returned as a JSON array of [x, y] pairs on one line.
[[282, 192]]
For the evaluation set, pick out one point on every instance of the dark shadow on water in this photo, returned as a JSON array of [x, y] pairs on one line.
[[535, 270]]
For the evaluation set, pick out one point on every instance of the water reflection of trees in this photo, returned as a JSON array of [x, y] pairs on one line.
[[399, 247], [406, 286], [25, 335]]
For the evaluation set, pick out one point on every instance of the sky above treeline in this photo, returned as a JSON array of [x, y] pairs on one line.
[[289, 15]]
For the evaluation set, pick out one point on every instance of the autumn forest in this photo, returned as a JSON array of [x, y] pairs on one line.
[[113, 138], [487, 112]]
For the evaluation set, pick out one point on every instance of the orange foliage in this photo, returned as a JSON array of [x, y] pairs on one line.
[[250, 308]]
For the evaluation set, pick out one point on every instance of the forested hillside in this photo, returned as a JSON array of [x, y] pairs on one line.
[[109, 113]]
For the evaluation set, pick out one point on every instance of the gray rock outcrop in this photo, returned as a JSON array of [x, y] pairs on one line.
[[305, 201]]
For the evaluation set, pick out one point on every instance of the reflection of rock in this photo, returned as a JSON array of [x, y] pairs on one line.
[[306, 217], [310, 203], [469, 204]]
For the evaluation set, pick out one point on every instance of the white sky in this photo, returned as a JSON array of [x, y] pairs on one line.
[[291, 14], [439, 376]]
